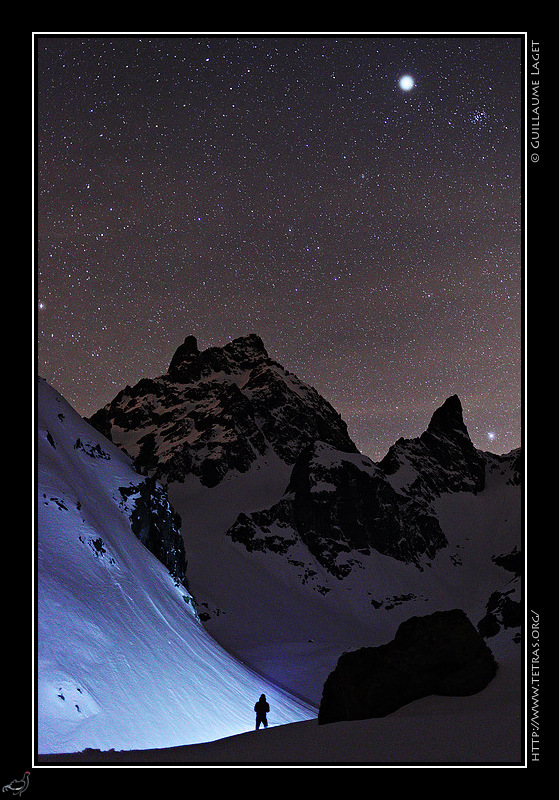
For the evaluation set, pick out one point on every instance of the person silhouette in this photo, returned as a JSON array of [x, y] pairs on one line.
[[261, 708]]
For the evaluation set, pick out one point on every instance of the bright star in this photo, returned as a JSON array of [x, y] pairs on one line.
[[407, 83], [490, 436]]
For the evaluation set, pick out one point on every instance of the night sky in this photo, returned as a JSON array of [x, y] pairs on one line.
[[289, 186]]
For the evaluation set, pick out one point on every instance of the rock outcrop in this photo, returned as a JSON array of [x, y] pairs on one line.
[[337, 503], [438, 654], [156, 524]]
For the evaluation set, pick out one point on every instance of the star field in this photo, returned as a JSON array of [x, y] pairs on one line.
[[288, 186]]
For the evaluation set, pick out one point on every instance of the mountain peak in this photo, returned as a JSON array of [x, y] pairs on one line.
[[240, 352], [448, 417], [247, 346], [218, 410], [185, 353], [443, 457]]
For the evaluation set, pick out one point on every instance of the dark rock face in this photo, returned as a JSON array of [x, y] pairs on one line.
[[439, 654], [184, 357], [218, 410], [503, 611], [156, 525], [504, 608], [362, 513], [337, 503]]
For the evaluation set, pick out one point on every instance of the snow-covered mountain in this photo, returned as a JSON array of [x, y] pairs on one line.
[[122, 658], [297, 547], [218, 410], [304, 528]]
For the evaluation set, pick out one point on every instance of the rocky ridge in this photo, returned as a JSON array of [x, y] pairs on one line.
[[218, 410], [339, 503]]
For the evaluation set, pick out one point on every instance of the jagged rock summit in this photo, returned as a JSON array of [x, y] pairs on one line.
[[223, 409], [184, 356], [218, 410], [442, 459], [190, 364]]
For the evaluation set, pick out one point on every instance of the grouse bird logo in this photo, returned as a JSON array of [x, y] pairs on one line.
[[17, 787]]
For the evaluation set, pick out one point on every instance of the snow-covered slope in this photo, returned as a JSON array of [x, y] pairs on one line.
[[122, 659], [482, 729]]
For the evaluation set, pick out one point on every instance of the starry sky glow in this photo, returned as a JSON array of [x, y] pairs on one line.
[[369, 230]]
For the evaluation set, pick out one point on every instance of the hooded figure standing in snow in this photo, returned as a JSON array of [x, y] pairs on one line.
[[261, 709]]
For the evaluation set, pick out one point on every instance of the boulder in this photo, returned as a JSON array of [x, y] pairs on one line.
[[438, 654]]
